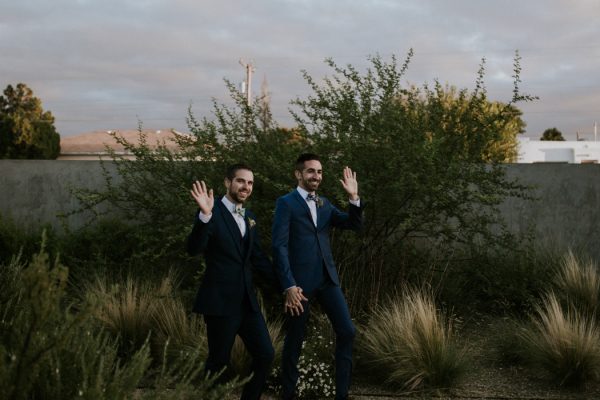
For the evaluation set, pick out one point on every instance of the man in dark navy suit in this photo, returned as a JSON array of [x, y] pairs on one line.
[[304, 263], [227, 235]]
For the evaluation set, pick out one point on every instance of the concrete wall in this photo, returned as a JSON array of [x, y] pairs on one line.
[[567, 211], [37, 192]]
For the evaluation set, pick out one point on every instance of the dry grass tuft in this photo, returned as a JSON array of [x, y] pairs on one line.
[[578, 283], [413, 343], [128, 310], [184, 333], [564, 344]]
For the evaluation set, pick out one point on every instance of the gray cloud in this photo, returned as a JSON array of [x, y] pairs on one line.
[[104, 64]]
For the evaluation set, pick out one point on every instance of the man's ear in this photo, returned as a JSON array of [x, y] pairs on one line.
[[298, 174], [227, 183]]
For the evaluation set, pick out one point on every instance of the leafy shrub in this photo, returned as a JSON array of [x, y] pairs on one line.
[[564, 344], [182, 377], [88, 366], [52, 350], [493, 280], [51, 353], [437, 149], [17, 239], [103, 248], [411, 344]]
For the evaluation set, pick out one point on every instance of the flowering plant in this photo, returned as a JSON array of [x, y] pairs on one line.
[[315, 366]]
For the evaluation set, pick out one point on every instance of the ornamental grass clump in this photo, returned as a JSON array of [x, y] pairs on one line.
[[411, 344], [578, 284], [184, 333], [127, 310], [564, 344]]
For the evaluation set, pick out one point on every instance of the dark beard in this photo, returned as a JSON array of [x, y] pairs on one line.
[[235, 197]]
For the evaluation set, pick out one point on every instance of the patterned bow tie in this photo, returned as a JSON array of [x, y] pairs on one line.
[[313, 197], [240, 211]]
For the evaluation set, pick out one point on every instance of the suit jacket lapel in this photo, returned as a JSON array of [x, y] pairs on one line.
[[320, 216], [232, 226], [248, 239], [305, 206]]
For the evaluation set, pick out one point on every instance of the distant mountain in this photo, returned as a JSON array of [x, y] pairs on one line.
[[92, 145]]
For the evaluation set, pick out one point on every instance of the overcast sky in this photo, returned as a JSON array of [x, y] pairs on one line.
[[104, 64]]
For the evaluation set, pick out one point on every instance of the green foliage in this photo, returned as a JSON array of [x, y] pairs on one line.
[[183, 377], [26, 130], [153, 190], [413, 343], [106, 247], [552, 134], [88, 366], [494, 280], [428, 162], [50, 349], [17, 239], [54, 353]]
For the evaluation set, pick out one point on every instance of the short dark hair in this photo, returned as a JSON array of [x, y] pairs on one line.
[[234, 168], [305, 157]]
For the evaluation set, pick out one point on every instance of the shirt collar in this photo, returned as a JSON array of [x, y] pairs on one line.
[[230, 206], [303, 193]]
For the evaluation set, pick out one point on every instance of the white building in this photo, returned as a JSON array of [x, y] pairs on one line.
[[568, 151]]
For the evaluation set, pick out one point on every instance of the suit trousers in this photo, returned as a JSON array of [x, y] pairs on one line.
[[252, 329], [333, 303]]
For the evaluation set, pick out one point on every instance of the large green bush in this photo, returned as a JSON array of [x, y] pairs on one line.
[[428, 161]]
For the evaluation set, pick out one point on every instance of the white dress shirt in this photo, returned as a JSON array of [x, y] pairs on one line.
[[239, 220], [312, 205]]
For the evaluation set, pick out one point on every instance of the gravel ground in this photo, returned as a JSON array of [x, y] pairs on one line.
[[484, 379]]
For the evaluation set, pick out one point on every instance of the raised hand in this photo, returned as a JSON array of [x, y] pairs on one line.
[[350, 183], [204, 198]]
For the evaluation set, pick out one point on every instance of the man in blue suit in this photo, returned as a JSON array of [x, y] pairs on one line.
[[227, 235], [304, 263]]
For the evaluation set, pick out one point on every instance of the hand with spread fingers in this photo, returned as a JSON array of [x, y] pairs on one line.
[[293, 301], [350, 183], [204, 198]]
